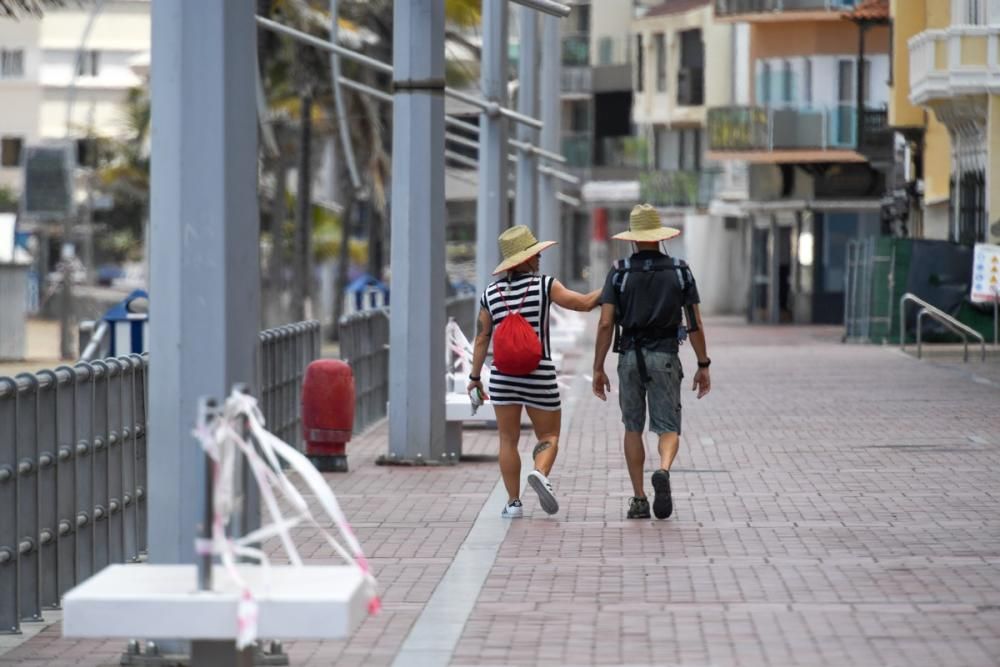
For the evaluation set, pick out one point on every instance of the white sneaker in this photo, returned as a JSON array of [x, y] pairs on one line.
[[543, 487], [513, 511]]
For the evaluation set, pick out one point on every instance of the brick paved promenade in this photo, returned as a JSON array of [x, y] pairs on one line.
[[835, 505]]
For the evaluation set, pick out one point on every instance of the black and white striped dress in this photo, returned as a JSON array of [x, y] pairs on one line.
[[539, 389]]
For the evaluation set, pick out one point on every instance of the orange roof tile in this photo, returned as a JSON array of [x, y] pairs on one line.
[[869, 10]]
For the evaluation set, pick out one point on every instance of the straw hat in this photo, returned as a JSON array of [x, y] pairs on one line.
[[644, 225], [518, 245]]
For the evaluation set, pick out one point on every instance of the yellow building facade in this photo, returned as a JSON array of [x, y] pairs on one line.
[[947, 82]]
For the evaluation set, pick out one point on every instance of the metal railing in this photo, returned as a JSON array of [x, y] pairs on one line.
[[928, 310], [73, 465], [757, 128], [364, 344], [861, 263], [737, 7], [679, 188]]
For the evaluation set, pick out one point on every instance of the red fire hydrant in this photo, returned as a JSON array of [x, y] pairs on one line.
[[328, 413]]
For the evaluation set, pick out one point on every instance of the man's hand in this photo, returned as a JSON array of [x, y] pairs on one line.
[[601, 385], [702, 382]]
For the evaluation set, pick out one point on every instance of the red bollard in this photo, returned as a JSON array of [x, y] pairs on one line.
[[328, 413]]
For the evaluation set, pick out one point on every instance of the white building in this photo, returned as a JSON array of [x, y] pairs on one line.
[[39, 76]]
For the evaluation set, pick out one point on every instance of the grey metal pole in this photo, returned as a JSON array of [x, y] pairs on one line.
[[417, 315], [526, 199], [205, 308], [549, 207], [492, 214]]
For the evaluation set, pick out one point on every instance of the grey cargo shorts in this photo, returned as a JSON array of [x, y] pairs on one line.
[[663, 392]]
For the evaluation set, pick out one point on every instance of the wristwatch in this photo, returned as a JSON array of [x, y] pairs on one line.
[[705, 364], [475, 378]]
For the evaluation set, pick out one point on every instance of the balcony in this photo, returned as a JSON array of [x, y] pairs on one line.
[[682, 189], [773, 130], [781, 9], [577, 81], [576, 50], [956, 62]]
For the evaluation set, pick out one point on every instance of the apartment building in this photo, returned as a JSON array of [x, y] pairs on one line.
[[815, 136], [688, 62], [946, 98], [47, 94]]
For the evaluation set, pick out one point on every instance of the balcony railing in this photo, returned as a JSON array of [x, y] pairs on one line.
[[576, 50], [576, 148], [738, 7], [768, 129], [577, 80], [622, 152], [959, 58], [679, 188]]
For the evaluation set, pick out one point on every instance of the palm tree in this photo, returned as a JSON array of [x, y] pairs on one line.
[[289, 68], [19, 8]]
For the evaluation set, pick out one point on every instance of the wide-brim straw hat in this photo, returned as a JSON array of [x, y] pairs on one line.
[[644, 226], [517, 246]]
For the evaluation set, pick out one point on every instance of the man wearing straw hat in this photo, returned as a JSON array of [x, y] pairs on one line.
[[643, 304]]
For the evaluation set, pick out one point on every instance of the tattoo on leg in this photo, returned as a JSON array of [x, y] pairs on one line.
[[540, 447]]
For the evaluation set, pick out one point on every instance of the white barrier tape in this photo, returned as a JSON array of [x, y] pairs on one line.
[[224, 441]]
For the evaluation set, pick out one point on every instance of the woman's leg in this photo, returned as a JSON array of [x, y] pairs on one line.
[[509, 426], [547, 424]]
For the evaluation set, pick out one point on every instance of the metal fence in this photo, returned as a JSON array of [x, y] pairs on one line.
[[73, 465], [869, 286], [364, 344]]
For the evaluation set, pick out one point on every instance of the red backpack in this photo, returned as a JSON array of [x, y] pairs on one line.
[[516, 347]]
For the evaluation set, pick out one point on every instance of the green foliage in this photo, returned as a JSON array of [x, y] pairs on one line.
[[8, 200]]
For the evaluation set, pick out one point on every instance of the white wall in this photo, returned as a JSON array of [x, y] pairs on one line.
[[719, 264], [20, 98], [825, 79]]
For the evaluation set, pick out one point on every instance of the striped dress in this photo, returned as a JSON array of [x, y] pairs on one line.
[[539, 389]]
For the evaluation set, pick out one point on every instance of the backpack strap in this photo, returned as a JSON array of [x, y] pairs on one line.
[[523, 298]]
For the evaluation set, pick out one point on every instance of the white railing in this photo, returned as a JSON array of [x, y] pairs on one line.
[[930, 78]]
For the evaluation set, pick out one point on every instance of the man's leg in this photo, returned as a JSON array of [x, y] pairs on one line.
[[635, 459], [665, 420], [509, 426], [668, 446], [546, 424]]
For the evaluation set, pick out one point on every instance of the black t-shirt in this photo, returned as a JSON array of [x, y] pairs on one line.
[[651, 299]]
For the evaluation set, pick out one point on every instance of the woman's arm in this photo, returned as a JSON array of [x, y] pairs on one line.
[[482, 345], [567, 298]]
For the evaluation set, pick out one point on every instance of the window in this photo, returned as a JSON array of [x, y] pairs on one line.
[[583, 18], [11, 63], [10, 151], [86, 152], [660, 40], [807, 82], [606, 51], [971, 228], [764, 85], [787, 93], [88, 63], [969, 12], [640, 72]]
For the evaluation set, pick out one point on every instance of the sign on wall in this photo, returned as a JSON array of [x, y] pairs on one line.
[[985, 273]]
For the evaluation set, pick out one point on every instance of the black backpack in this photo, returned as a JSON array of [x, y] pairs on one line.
[[622, 269]]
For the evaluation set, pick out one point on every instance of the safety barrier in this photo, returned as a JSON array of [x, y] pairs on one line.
[[73, 465], [364, 344]]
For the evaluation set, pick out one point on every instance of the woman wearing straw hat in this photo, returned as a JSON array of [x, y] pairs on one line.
[[647, 296], [522, 289]]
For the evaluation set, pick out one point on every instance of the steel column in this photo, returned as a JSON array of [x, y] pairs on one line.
[[417, 315], [549, 207], [492, 214], [526, 198], [205, 271]]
